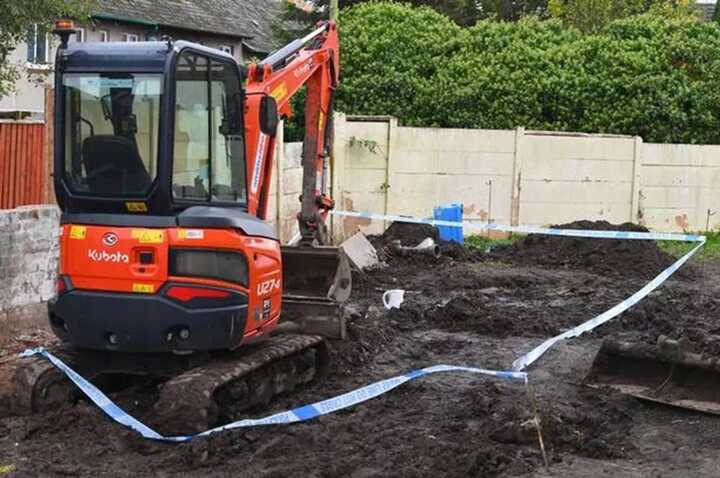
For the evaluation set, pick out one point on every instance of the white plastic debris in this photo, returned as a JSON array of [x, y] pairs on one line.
[[393, 298]]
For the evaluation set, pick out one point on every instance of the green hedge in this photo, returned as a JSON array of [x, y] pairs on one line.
[[649, 76]]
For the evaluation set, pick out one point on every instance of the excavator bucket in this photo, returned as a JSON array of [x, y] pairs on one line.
[[316, 281], [316, 273], [663, 372]]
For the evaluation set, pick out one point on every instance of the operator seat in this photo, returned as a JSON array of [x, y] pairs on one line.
[[114, 166]]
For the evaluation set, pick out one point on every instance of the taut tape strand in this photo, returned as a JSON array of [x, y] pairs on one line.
[[300, 414], [656, 236], [524, 361], [527, 359]]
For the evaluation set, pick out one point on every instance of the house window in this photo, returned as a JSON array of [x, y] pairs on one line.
[[128, 37], [229, 49], [79, 36], [37, 46], [104, 36]]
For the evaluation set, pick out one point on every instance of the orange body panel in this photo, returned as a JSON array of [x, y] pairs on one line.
[[319, 70], [107, 258]]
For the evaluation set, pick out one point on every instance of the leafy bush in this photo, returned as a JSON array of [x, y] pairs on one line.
[[645, 75]]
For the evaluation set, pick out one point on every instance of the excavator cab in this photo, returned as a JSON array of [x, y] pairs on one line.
[[149, 128], [162, 165]]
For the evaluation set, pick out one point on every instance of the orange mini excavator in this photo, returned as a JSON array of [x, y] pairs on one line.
[[163, 159]]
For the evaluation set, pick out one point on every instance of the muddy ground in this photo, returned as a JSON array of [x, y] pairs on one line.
[[480, 308]]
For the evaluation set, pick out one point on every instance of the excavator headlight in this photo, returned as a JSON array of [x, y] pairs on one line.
[[225, 266]]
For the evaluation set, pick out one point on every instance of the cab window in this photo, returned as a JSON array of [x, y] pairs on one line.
[[209, 150], [111, 132]]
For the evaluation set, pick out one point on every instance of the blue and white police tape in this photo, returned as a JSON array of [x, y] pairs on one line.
[[656, 236], [300, 414], [527, 359], [373, 390]]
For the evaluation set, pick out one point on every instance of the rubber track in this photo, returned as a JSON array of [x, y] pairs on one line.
[[198, 398], [38, 386]]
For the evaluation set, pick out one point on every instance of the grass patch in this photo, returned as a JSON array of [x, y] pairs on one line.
[[711, 250], [485, 243]]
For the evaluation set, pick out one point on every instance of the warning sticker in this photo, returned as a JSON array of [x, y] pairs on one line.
[[191, 234], [143, 288], [280, 92], [148, 236], [78, 232], [136, 206]]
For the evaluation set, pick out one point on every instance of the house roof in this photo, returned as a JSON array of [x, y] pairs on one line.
[[707, 9], [248, 19]]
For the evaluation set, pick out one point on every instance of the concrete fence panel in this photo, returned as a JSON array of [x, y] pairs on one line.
[[440, 166], [680, 186], [569, 177], [521, 177]]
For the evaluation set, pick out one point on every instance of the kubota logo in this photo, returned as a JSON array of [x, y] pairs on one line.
[[110, 239], [104, 256], [268, 286]]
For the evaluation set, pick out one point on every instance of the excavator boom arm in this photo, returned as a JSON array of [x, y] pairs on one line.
[[312, 61]]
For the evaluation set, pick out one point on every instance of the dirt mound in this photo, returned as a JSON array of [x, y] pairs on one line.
[[594, 427], [634, 258], [409, 234]]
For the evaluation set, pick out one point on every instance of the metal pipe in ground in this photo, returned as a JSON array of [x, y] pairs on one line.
[[427, 247]]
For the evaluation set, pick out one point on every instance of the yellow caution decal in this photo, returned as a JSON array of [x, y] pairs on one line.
[[148, 236], [78, 232], [136, 207], [280, 92], [143, 288]]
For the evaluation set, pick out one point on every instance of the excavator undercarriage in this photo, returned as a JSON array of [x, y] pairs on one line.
[[196, 392]]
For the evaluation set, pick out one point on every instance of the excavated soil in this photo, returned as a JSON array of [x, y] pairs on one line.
[[636, 258], [475, 308]]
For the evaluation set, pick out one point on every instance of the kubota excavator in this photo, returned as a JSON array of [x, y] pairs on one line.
[[163, 159]]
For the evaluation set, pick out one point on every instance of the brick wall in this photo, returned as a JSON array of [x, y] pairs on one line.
[[28, 263]]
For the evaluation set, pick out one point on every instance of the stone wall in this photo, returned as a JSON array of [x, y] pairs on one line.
[[28, 263]]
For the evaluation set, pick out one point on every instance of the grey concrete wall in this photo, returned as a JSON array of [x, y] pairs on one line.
[[286, 186], [28, 265]]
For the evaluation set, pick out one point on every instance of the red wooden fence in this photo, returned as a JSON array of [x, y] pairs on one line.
[[23, 174]]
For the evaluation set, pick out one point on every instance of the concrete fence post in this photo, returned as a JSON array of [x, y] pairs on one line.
[[517, 176], [636, 215], [390, 169], [337, 173], [279, 180]]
